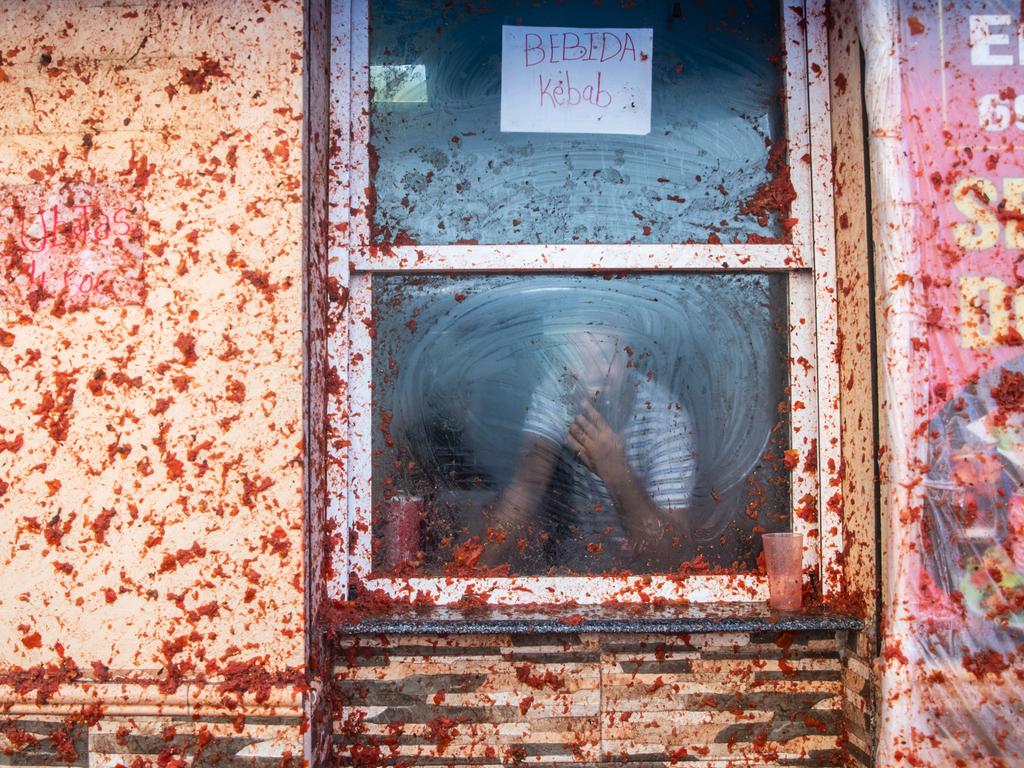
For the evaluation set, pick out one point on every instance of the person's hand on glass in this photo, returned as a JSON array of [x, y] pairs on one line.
[[596, 444]]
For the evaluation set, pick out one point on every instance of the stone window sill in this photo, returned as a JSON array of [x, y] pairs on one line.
[[689, 619]]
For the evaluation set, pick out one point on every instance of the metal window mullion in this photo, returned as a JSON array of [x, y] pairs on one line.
[[540, 258], [798, 126], [531, 590], [803, 411], [358, 415], [826, 301], [360, 425], [359, 160], [338, 259]]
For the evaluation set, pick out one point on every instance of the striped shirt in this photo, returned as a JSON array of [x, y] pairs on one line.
[[658, 439]]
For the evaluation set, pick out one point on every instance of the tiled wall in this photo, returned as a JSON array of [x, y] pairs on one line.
[[703, 699], [859, 699], [138, 741]]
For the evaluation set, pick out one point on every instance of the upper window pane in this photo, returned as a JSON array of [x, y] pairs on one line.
[[577, 424], [711, 168]]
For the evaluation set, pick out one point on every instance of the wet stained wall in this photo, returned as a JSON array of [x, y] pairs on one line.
[[151, 432]]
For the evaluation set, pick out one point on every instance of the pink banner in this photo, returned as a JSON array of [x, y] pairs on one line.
[[953, 658]]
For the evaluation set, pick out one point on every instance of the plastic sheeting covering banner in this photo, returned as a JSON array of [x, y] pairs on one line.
[[947, 155]]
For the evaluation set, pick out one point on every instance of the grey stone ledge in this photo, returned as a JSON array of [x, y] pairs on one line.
[[631, 619]]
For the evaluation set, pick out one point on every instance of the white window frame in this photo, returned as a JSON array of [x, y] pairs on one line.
[[808, 261]]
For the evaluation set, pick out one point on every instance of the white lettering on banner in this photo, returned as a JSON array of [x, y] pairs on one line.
[[575, 80], [990, 47]]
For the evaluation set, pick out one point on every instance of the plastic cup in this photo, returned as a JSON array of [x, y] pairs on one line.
[[783, 557], [402, 529]]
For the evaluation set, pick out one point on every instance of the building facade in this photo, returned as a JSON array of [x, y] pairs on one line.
[[302, 307]]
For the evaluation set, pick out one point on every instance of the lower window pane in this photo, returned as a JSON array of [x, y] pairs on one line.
[[577, 424]]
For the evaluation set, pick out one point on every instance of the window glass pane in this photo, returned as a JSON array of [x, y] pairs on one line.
[[443, 171], [556, 424]]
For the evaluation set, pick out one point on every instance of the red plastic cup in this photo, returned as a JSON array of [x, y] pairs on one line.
[[402, 529], [783, 557]]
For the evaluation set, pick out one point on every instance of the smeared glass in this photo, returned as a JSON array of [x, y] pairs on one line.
[[578, 423]]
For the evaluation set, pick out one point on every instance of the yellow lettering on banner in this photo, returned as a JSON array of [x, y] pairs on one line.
[[985, 312], [972, 197], [1013, 193]]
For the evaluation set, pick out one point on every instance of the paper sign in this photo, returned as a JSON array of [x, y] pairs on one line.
[[576, 80]]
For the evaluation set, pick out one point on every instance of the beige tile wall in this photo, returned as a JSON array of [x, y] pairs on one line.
[[706, 700]]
